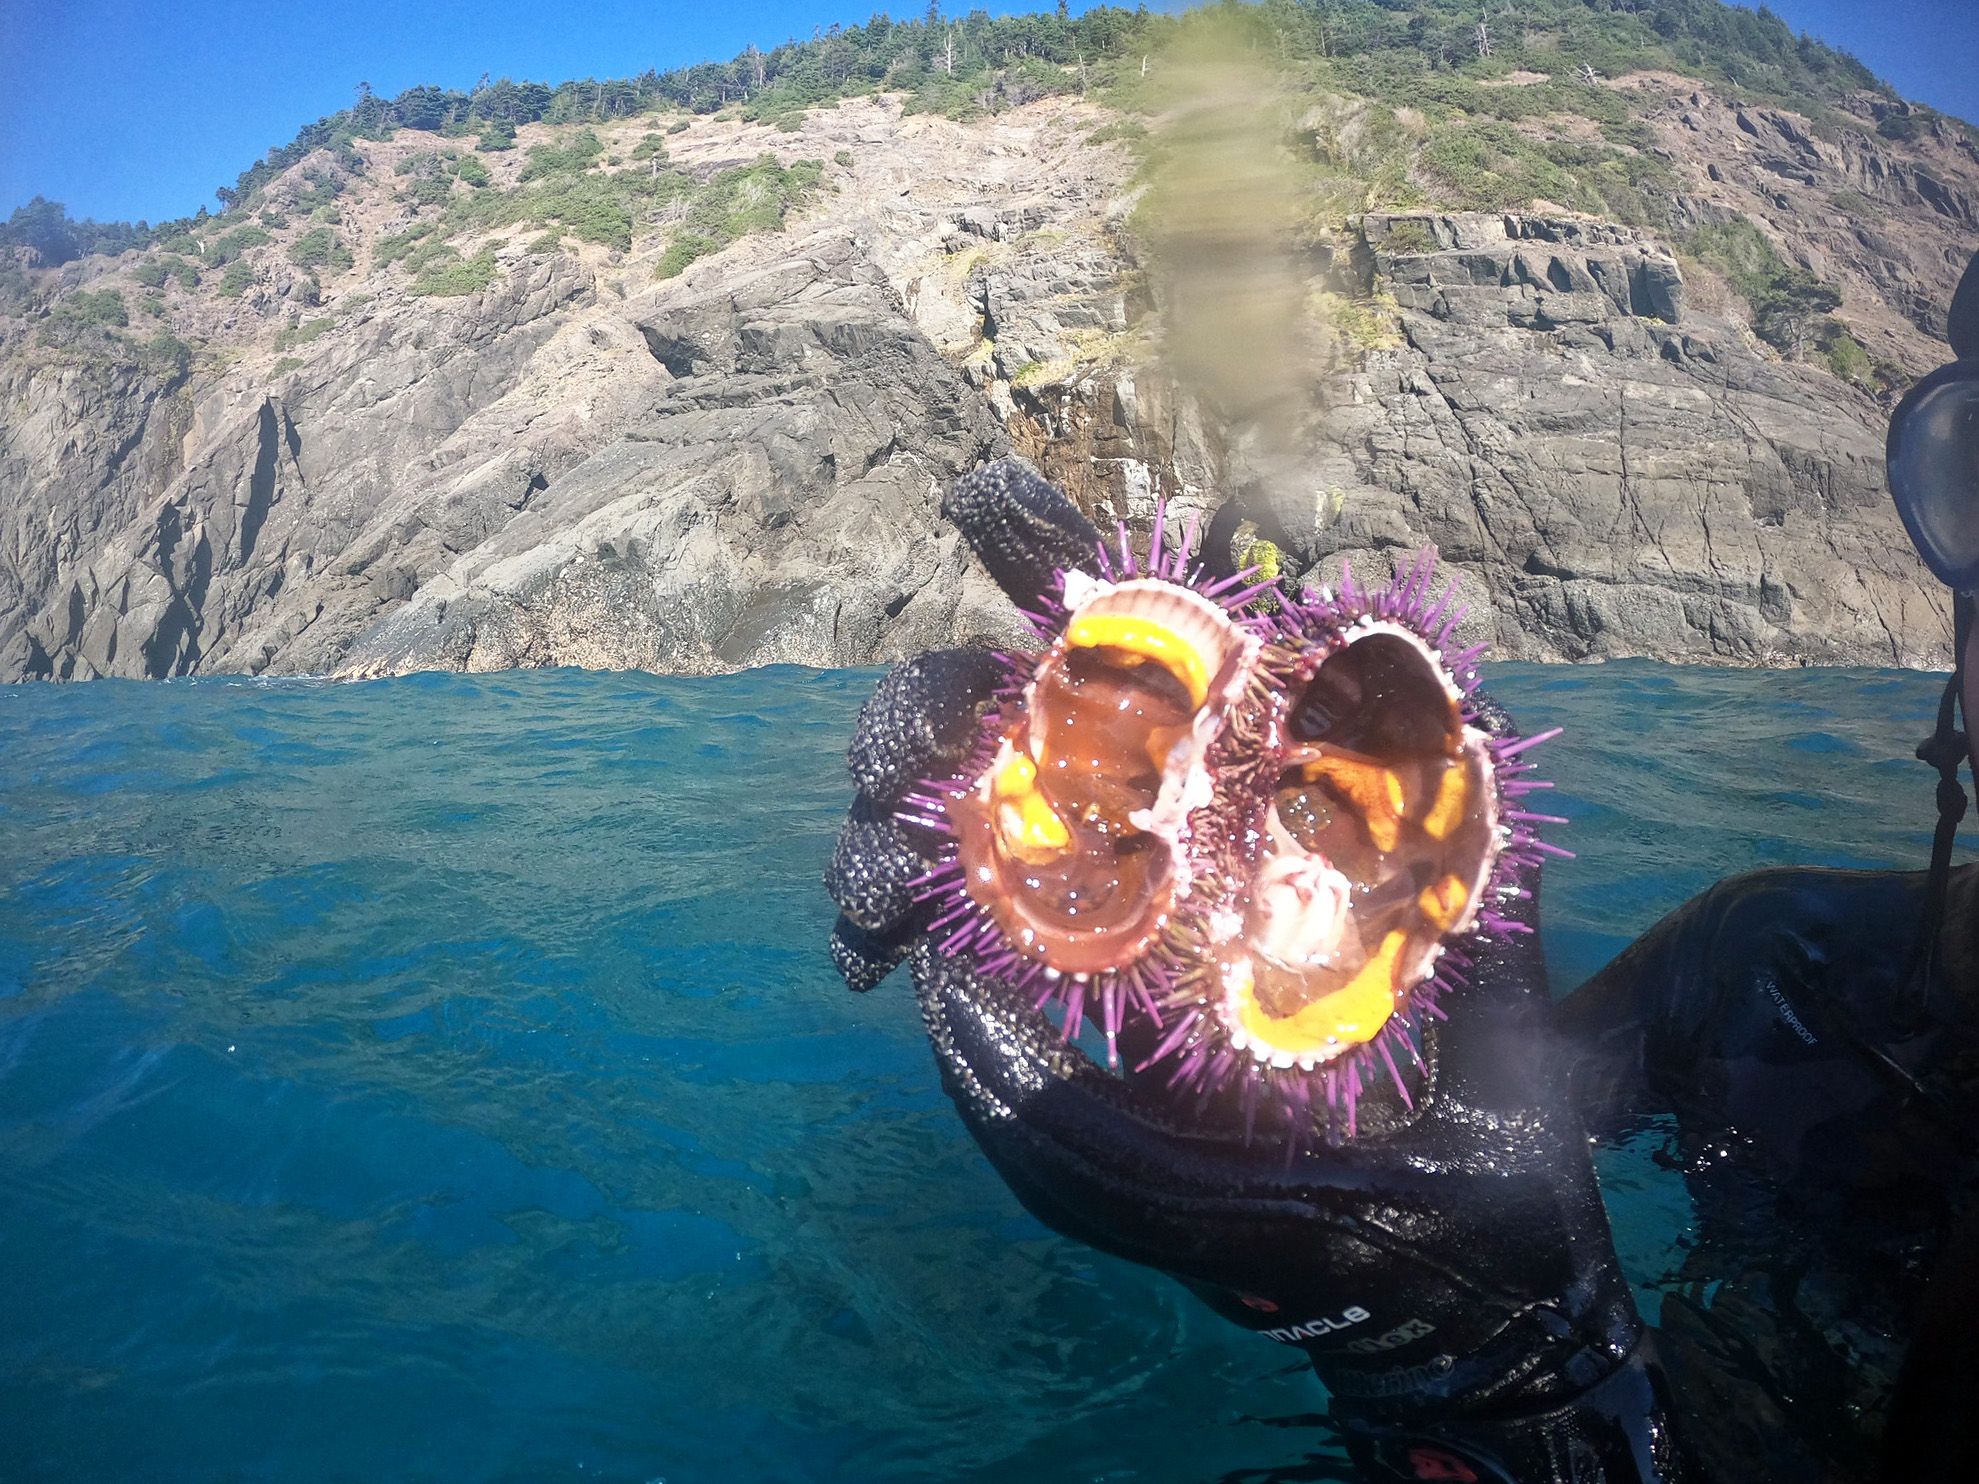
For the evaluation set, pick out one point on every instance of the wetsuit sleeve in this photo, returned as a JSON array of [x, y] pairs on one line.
[[1767, 1004], [1620, 1025]]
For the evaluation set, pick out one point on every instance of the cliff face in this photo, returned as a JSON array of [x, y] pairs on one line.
[[1620, 477], [580, 463]]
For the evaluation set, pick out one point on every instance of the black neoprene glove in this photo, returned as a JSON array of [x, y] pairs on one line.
[[1448, 1268]]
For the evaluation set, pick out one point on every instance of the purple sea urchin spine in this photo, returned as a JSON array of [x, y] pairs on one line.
[[1327, 1098], [1239, 890]]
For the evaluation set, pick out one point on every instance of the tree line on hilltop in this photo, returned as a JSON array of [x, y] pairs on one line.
[[1403, 51]]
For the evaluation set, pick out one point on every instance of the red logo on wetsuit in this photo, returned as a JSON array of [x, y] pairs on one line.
[[1435, 1463]]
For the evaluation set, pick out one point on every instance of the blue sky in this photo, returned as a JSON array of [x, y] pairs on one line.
[[128, 109]]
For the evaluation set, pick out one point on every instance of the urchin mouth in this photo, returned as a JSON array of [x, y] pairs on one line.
[[1380, 839]]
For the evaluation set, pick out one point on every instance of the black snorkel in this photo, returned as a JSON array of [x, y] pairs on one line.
[[1933, 462]]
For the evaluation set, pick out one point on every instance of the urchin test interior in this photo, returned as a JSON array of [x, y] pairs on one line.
[[1380, 830], [1095, 748]]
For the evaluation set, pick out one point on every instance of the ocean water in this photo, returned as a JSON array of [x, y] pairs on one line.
[[442, 1078]]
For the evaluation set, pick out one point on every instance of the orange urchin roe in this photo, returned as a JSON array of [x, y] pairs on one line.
[[1383, 804], [1054, 840]]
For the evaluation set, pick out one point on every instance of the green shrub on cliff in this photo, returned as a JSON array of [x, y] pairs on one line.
[[1489, 167], [593, 205], [1496, 167], [566, 158], [166, 352], [682, 251], [1411, 237], [612, 208], [85, 309], [449, 279], [303, 333], [1789, 304], [1372, 322], [593, 208], [1848, 360], [388, 249], [432, 190], [228, 247], [317, 191], [155, 272], [319, 247], [427, 254], [757, 197], [754, 197]]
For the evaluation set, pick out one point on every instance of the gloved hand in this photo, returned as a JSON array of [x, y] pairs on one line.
[[1448, 1269]]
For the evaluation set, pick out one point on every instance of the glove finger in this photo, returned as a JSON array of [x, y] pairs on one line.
[[922, 720], [1024, 531], [863, 957], [875, 867]]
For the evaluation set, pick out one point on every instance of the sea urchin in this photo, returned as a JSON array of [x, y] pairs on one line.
[[1263, 831]]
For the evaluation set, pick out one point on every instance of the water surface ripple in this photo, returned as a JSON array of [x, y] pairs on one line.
[[442, 1078]]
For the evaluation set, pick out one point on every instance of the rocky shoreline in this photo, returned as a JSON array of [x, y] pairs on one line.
[[742, 465]]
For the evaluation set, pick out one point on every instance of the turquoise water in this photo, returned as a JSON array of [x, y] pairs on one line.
[[442, 1078]]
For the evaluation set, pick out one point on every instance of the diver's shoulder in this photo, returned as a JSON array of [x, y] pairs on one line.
[[1807, 892], [1784, 913]]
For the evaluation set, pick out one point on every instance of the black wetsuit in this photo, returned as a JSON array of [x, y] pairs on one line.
[[1826, 1117], [1449, 1269]]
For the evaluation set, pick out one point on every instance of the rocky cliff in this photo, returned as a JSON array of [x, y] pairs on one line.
[[580, 463]]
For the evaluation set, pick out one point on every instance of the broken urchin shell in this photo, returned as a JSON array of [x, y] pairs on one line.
[[1264, 835], [1374, 836], [1073, 854]]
